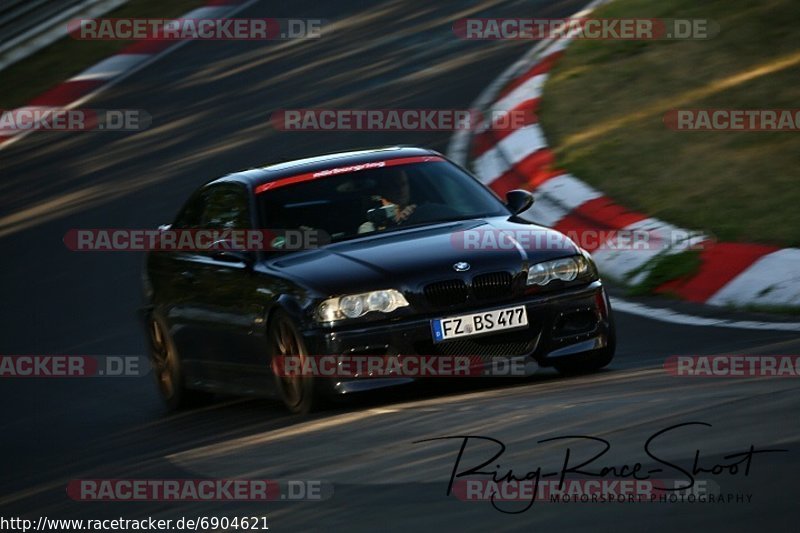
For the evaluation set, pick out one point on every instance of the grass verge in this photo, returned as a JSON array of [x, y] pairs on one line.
[[663, 268], [740, 186]]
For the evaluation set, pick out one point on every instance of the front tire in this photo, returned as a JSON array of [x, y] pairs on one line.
[[300, 393]]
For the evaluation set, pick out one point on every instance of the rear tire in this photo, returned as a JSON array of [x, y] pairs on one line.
[[300, 394], [169, 376]]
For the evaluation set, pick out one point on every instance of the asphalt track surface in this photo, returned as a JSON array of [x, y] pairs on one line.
[[210, 104]]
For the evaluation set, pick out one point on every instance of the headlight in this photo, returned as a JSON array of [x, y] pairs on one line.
[[356, 305], [566, 269]]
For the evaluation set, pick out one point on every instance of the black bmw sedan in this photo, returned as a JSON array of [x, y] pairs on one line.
[[410, 255]]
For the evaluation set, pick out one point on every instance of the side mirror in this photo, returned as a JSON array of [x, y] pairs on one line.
[[518, 201]]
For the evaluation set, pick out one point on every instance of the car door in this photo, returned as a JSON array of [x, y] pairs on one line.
[[226, 312], [174, 275]]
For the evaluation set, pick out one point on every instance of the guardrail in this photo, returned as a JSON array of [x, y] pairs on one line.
[[27, 26]]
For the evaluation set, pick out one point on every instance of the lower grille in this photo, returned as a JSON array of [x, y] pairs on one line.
[[576, 323], [520, 342]]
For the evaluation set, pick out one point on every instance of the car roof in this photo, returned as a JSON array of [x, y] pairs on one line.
[[258, 176]]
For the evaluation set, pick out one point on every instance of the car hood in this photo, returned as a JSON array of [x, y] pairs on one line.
[[409, 257]]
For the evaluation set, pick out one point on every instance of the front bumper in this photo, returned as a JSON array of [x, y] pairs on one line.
[[568, 323]]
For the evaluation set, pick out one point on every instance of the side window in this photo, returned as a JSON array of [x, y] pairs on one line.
[[222, 206], [192, 212], [226, 207]]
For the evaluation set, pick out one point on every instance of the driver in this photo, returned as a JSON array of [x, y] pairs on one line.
[[395, 201]]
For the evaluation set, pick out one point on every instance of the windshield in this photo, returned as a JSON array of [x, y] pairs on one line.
[[375, 200]]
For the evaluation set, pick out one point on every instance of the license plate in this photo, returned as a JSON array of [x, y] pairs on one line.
[[479, 323]]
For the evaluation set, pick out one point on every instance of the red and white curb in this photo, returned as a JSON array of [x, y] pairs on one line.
[[110, 71], [731, 274]]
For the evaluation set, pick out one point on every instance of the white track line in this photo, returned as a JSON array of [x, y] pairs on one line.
[[673, 317]]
